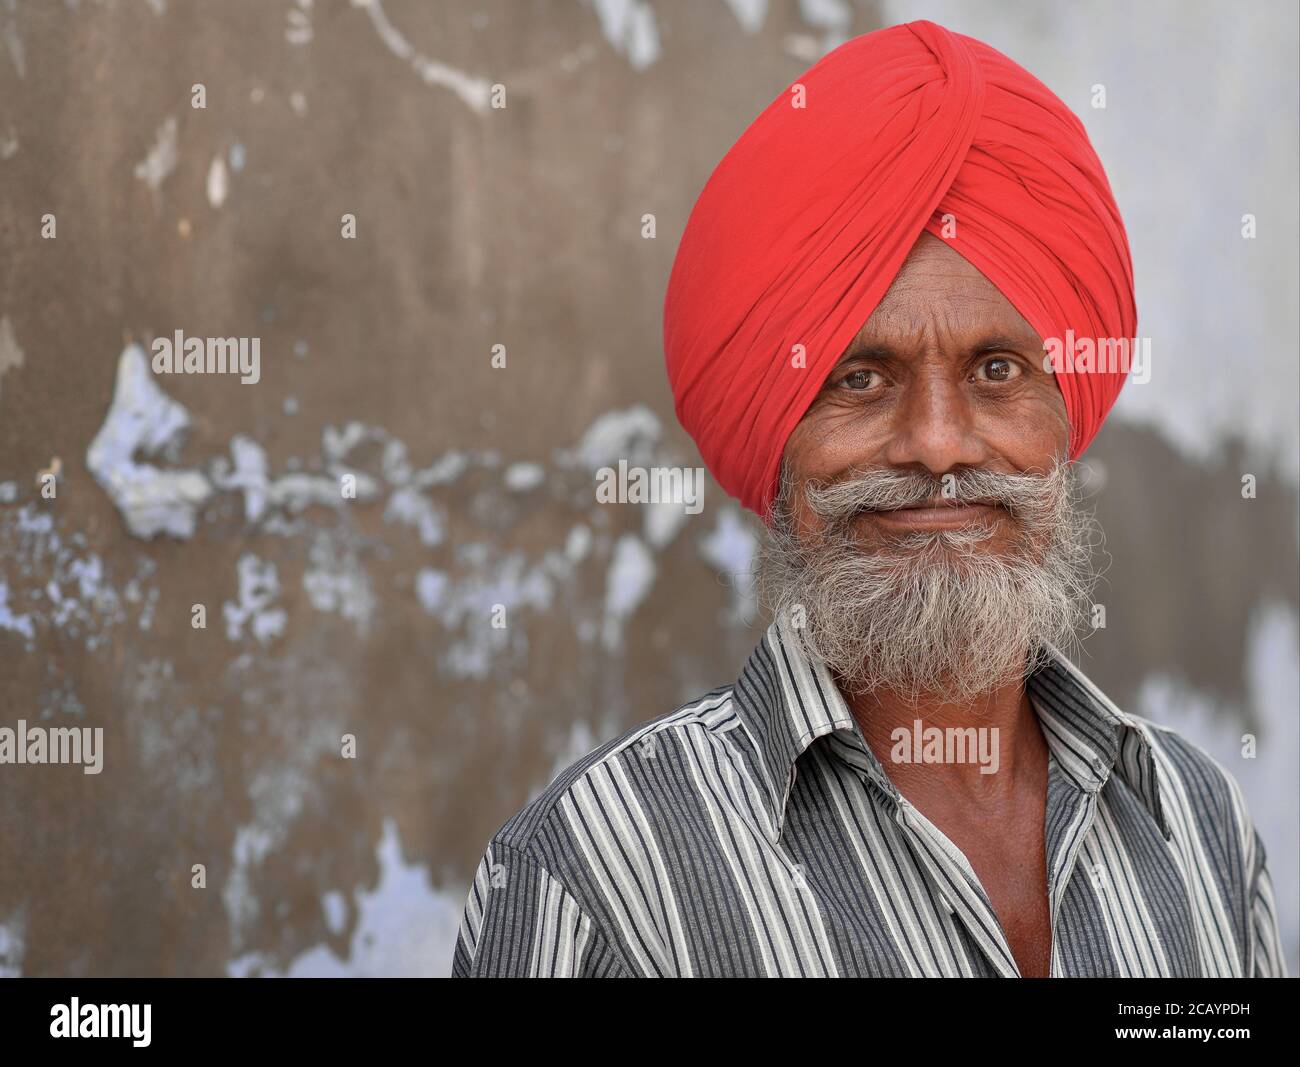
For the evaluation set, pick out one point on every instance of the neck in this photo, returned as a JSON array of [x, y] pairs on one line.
[[982, 748]]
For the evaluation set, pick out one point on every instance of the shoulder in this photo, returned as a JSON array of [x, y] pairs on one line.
[[1195, 783], [610, 775], [1197, 792]]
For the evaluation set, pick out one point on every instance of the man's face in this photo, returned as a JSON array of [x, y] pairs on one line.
[[925, 527], [946, 376]]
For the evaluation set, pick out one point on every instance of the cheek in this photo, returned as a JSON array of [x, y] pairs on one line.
[[1032, 432], [829, 440]]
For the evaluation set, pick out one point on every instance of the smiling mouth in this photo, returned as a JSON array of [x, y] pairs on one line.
[[939, 513]]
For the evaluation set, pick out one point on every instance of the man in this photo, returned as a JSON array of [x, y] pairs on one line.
[[909, 778]]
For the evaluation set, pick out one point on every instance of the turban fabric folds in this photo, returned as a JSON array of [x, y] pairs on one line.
[[806, 221]]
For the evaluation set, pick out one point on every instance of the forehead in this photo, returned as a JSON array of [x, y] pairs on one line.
[[939, 292]]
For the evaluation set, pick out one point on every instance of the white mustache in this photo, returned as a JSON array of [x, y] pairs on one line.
[[1027, 495]]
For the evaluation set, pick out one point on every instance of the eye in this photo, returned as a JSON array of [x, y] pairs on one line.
[[860, 379], [997, 369]]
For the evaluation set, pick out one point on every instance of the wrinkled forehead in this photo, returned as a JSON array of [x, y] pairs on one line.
[[940, 300]]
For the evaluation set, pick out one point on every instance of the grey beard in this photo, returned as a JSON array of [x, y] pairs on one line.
[[931, 615]]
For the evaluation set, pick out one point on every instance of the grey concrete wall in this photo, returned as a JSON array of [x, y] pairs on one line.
[[476, 226]]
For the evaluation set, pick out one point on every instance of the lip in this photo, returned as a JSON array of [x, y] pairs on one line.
[[937, 515]]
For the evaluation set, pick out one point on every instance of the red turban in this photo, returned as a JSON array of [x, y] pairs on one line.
[[804, 224]]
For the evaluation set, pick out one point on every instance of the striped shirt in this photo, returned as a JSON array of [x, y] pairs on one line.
[[754, 832]]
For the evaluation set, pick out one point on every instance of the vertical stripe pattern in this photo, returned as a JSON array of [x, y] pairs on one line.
[[752, 832]]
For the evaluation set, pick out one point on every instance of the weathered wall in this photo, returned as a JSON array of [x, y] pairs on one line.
[[476, 227]]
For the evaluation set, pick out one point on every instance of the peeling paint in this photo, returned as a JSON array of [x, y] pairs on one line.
[[259, 586], [336, 583], [751, 14], [632, 434], [732, 548], [410, 507], [61, 585], [13, 945], [218, 183], [11, 356], [630, 576], [161, 160], [299, 30], [405, 927], [143, 419], [19, 624], [476, 92], [13, 42], [630, 28], [522, 477]]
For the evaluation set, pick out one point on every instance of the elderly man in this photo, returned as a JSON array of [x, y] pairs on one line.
[[909, 778]]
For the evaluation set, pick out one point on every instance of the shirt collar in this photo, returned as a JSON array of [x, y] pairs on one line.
[[787, 700]]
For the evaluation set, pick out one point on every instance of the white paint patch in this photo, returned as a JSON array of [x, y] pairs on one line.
[[13, 945], [521, 477], [410, 507], [630, 28], [406, 928], [8, 492], [218, 185], [832, 17], [62, 587], [444, 470], [143, 419], [11, 356], [751, 14], [162, 157], [578, 543], [279, 791], [631, 434], [247, 472], [470, 605], [431, 589], [19, 624], [298, 31], [732, 548], [252, 845], [629, 578], [259, 586], [476, 92], [663, 520], [13, 42], [336, 583], [335, 907]]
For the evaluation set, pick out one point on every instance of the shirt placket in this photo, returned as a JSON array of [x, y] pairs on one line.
[[957, 887], [950, 874]]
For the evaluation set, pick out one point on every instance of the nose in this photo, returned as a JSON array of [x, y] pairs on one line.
[[935, 427]]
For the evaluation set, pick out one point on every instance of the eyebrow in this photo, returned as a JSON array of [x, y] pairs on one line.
[[995, 342]]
